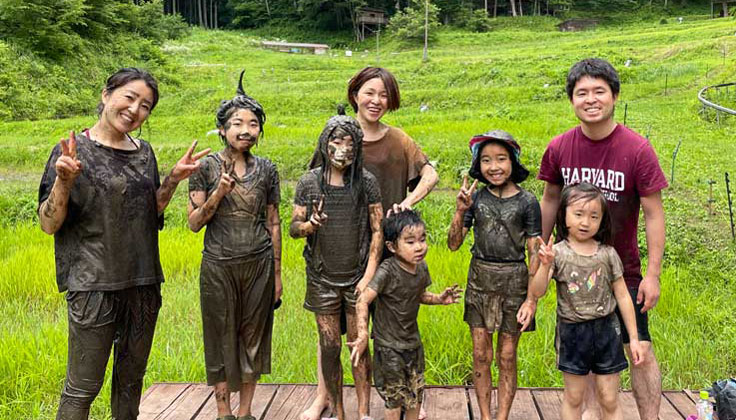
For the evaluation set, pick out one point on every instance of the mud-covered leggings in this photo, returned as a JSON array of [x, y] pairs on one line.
[[97, 320]]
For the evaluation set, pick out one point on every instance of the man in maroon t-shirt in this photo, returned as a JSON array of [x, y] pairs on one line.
[[625, 167]]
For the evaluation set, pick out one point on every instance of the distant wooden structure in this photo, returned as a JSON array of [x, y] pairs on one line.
[[371, 19], [295, 47], [724, 7], [186, 401], [575, 25]]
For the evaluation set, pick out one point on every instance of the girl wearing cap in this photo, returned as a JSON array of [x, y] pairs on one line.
[[505, 218], [236, 194]]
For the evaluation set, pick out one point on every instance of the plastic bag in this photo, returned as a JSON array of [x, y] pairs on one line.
[[725, 394]]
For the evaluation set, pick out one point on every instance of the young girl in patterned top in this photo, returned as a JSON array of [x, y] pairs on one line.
[[590, 284]]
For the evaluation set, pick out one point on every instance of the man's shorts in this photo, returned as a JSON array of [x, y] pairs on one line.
[[399, 376], [587, 346], [326, 300], [494, 312], [642, 319]]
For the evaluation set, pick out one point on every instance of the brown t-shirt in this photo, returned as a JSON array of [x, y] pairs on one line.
[[584, 289], [396, 161], [109, 238], [397, 305], [337, 253], [238, 227]]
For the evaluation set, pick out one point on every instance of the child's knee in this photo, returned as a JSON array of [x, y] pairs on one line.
[[482, 356], [330, 349], [574, 399], [506, 358]]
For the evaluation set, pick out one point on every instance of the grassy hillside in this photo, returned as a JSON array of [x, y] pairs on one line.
[[512, 78]]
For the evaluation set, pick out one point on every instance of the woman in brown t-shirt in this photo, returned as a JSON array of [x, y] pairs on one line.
[[392, 157]]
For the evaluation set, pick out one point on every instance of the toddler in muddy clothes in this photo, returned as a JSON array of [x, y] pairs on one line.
[[505, 218], [398, 288], [337, 207]]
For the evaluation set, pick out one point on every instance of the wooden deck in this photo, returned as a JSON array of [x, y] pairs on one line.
[[187, 401]]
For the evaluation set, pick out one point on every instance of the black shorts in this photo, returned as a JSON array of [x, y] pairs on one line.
[[587, 346], [642, 319]]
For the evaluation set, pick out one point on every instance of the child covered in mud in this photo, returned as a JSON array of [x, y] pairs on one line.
[[505, 218], [398, 288], [590, 284], [337, 208], [236, 195]]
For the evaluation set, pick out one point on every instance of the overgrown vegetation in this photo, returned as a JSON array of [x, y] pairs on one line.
[[55, 54], [510, 78]]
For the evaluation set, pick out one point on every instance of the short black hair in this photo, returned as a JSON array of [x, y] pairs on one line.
[[394, 224], [585, 191], [595, 68]]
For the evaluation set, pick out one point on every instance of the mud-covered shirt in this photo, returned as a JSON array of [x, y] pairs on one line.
[[584, 290], [337, 253], [502, 225], [109, 238], [397, 304], [238, 227], [396, 161]]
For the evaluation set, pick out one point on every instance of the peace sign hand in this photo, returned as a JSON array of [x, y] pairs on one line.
[[188, 164], [318, 217], [465, 196], [227, 182], [67, 166], [546, 251]]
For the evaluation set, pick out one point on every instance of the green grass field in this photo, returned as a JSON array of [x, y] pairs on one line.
[[511, 78]]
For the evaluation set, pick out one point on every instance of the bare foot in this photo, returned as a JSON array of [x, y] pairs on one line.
[[314, 412]]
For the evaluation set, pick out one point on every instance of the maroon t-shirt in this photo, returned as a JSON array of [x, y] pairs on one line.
[[624, 166]]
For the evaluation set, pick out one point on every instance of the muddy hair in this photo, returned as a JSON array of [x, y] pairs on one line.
[[586, 192], [595, 68], [124, 76], [389, 82], [338, 126], [394, 224], [240, 101]]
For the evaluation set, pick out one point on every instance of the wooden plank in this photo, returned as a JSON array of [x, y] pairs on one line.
[[290, 401], [667, 411], [684, 405], [350, 401], [628, 405], [188, 404], [261, 399], [549, 402], [523, 407], [446, 403], [475, 409], [160, 398]]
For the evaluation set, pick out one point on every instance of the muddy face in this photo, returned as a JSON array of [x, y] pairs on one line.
[[340, 152], [241, 130]]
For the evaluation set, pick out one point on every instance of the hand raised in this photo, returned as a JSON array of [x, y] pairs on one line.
[[188, 164], [465, 197], [67, 166], [318, 217], [227, 182], [451, 295], [546, 251]]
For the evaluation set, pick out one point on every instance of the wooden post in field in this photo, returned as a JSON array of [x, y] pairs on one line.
[[426, 28]]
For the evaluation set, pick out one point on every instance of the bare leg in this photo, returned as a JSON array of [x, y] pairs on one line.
[[361, 373], [482, 358], [247, 390], [591, 409], [330, 346], [222, 398], [314, 412], [606, 387], [393, 414], [506, 360], [572, 399], [412, 413], [646, 382]]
